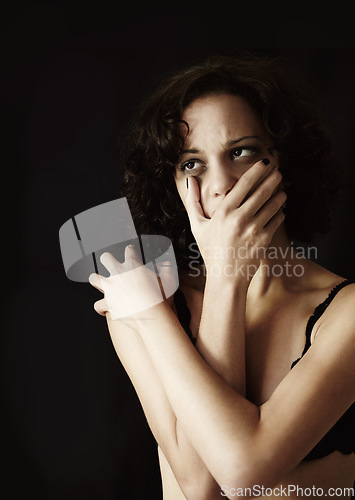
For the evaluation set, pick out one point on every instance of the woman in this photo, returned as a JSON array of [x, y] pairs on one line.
[[263, 396]]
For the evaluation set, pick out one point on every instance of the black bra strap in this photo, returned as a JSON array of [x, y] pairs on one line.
[[319, 310]]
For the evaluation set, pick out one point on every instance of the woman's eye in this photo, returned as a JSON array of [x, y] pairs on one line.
[[191, 166], [243, 152]]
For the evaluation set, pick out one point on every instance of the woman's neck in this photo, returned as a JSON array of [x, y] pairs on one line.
[[282, 267]]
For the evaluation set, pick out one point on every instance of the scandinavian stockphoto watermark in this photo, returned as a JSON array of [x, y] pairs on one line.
[[109, 227], [285, 491], [275, 261]]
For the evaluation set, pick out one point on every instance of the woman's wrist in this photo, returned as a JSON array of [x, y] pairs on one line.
[[221, 280]]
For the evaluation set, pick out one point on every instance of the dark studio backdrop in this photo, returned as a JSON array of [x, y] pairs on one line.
[[73, 425]]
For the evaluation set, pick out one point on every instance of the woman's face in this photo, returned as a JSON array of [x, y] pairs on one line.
[[225, 139]]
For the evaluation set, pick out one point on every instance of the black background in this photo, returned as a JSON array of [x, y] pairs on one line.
[[73, 427]]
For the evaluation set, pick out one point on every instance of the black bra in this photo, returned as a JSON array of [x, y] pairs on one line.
[[341, 436]]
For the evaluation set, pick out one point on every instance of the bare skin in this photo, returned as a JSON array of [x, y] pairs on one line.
[[241, 403], [269, 355], [275, 305]]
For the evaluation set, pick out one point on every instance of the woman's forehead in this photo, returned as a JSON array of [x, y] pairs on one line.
[[225, 116]]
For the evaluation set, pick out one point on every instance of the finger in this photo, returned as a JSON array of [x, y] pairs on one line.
[[111, 264], [270, 208], [101, 307], [192, 201], [245, 185], [96, 281], [132, 258], [262, 193], [274, 223]]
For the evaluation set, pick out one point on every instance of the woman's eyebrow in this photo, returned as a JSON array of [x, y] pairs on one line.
[[231, 143], [193, 151], [227, 145]]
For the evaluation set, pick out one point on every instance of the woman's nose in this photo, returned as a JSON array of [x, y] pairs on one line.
[[215, 186], [221, 180]]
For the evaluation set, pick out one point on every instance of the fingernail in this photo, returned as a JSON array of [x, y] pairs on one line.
[[266, 161], [187, 183]]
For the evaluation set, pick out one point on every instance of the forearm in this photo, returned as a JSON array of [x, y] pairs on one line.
[[186, 464], [217, 420], [221, 336], [138, 366]]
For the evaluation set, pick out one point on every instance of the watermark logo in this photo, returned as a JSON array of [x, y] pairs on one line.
[[109, 228], [286, 491], [274, 261]]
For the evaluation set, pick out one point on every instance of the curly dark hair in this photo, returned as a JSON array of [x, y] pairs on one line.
[[155, 141]]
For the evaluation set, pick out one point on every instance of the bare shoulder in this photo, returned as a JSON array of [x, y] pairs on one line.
[[338, 321], [343, 303], [342, 308], [346, 296], [322, 282]]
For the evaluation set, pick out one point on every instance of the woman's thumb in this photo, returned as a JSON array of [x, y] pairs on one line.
[[192, 201]]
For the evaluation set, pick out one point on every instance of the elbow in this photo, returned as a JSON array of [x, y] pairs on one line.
[[204, 488], [247, 477], [201, 486], [197, 493], [235, 480]]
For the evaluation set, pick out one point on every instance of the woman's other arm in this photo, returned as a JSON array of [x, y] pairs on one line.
[[173, 445]]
